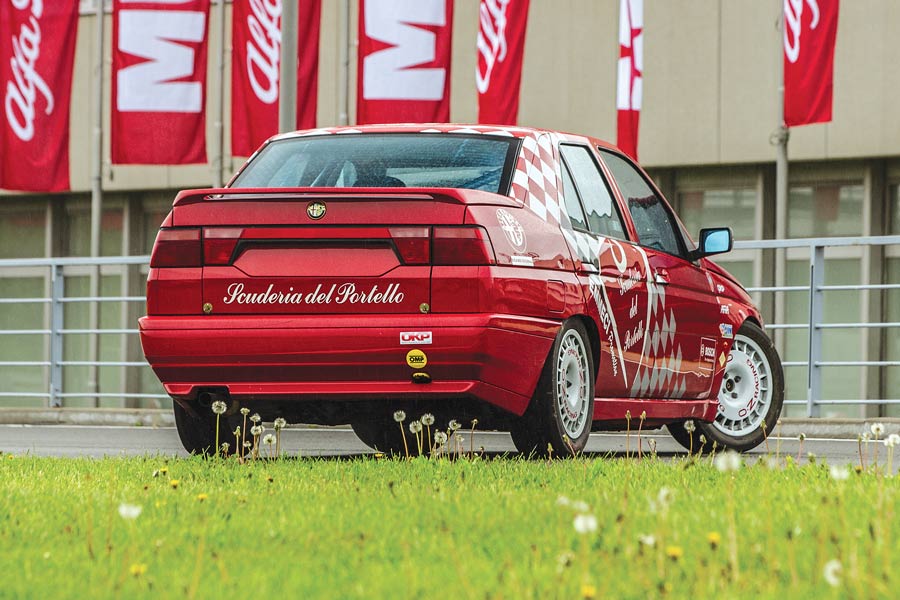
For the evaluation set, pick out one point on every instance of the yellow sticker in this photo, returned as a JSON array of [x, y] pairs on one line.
[[722, 360], [416, 359]]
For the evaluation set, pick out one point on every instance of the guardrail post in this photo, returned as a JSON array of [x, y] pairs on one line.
[[816, 281], [57, 291]]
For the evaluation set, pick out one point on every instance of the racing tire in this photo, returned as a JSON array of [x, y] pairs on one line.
[[751, 393], [561, 413]]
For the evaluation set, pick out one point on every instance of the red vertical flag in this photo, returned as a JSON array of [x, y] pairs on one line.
[[37, 46], [630, 76], [810, 31], [256, 35], [498, 74], [159, 82], [404, 61]]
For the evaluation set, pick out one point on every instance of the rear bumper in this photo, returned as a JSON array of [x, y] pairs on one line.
[[488, 357]]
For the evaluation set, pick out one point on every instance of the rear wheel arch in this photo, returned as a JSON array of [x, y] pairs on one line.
[[593, 338]]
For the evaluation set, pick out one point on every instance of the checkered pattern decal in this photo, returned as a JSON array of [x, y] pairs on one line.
[[536, 181], [659, 374]]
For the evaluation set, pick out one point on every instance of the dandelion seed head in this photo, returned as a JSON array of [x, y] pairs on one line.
[[245, 411], [279, 424], [702, 439], [877, 430], [427, 419], [454, 425], [564, 561], [237, 431], [892, 440], [866, 436], [648, 540], [728, 461], [224, 447], [219, 407], [247, 444], [415, 426], [832, 572], [256, 430], [581, 506], [689, 426], [129, 512], [563, 501], [269, 439], [255, 418], [664, 497], [399, 416], [839, 473], [440, 438], [585, 523]]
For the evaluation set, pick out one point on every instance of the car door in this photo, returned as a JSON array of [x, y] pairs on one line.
[[612, 269], [682, 341]]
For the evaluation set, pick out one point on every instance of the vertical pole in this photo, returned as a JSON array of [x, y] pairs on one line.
[[287, 83], [96, 207], [219, 160], [780, 138], [816, 281], [57, 289], [344, 91]]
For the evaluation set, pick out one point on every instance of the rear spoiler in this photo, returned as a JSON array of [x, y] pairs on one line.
[[449, 195]]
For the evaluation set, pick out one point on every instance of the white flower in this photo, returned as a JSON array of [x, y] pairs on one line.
[[585, 523], [219, 407], [247, 444], [269, 439], [580, 506], [877, 430], [892, 440], [832, 572], [255, 418], [728, 461], [664, 497], [454, 425], [689, 426], [839, 473], [440, 438], [399, 416], [256, 430], [129, 511], [647, 540], [415, 426], [280, 424], [245, 411], [428, 419]]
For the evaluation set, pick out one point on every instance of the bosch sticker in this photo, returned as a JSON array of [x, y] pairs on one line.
[[707, 353], [416, 359], [726, 331], [415, 338]]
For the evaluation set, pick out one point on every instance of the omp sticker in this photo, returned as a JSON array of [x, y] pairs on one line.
[[416, 359], [522, 261], [726, 330], [415, 338], [514, 231], [707, 353]]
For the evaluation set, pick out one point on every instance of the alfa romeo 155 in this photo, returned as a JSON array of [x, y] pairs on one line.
[[536, 281]]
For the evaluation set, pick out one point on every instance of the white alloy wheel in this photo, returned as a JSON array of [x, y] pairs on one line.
[[573, 395], [746, 393]]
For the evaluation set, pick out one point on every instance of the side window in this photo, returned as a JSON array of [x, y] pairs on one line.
[[570, 196], [655, 225], [602, 213]]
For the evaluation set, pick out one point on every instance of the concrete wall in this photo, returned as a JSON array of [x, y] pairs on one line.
[[710, 77]]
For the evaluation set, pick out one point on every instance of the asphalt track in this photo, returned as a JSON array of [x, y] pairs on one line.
[[86, 441]]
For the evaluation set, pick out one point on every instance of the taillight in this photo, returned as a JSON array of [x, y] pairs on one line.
[[462, 246], [412, 244], [219, 244], [177, 247]]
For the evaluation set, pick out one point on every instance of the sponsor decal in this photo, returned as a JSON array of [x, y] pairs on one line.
[[344, 293], [522, 261], [315, 210], [726, 330], [707, 353], [725, 309], [415, 338], [416, 359], [722, 360], [720, 289], [514, 231], [635, 335]]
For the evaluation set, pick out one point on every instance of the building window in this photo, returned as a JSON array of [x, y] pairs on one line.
[[825, 210], [735, 208]]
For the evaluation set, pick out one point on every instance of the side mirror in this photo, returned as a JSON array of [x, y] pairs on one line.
[[715, 240]]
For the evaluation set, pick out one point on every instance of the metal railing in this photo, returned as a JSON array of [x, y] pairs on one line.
[[56, 328]]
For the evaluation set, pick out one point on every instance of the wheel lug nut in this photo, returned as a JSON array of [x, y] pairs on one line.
[[734, 395], [737, 379]]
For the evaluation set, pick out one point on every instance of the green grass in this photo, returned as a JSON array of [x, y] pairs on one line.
[[379, 528]]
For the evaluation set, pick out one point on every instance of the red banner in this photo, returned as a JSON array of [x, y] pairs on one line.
[[159, 82], [255, 75], [404, 61], [630, 77], [498, 74], [37, 46], [810, 30]]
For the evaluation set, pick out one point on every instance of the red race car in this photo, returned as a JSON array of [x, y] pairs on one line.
[[534, 280]]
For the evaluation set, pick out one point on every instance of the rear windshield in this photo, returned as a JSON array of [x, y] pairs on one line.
[[476, 162]]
